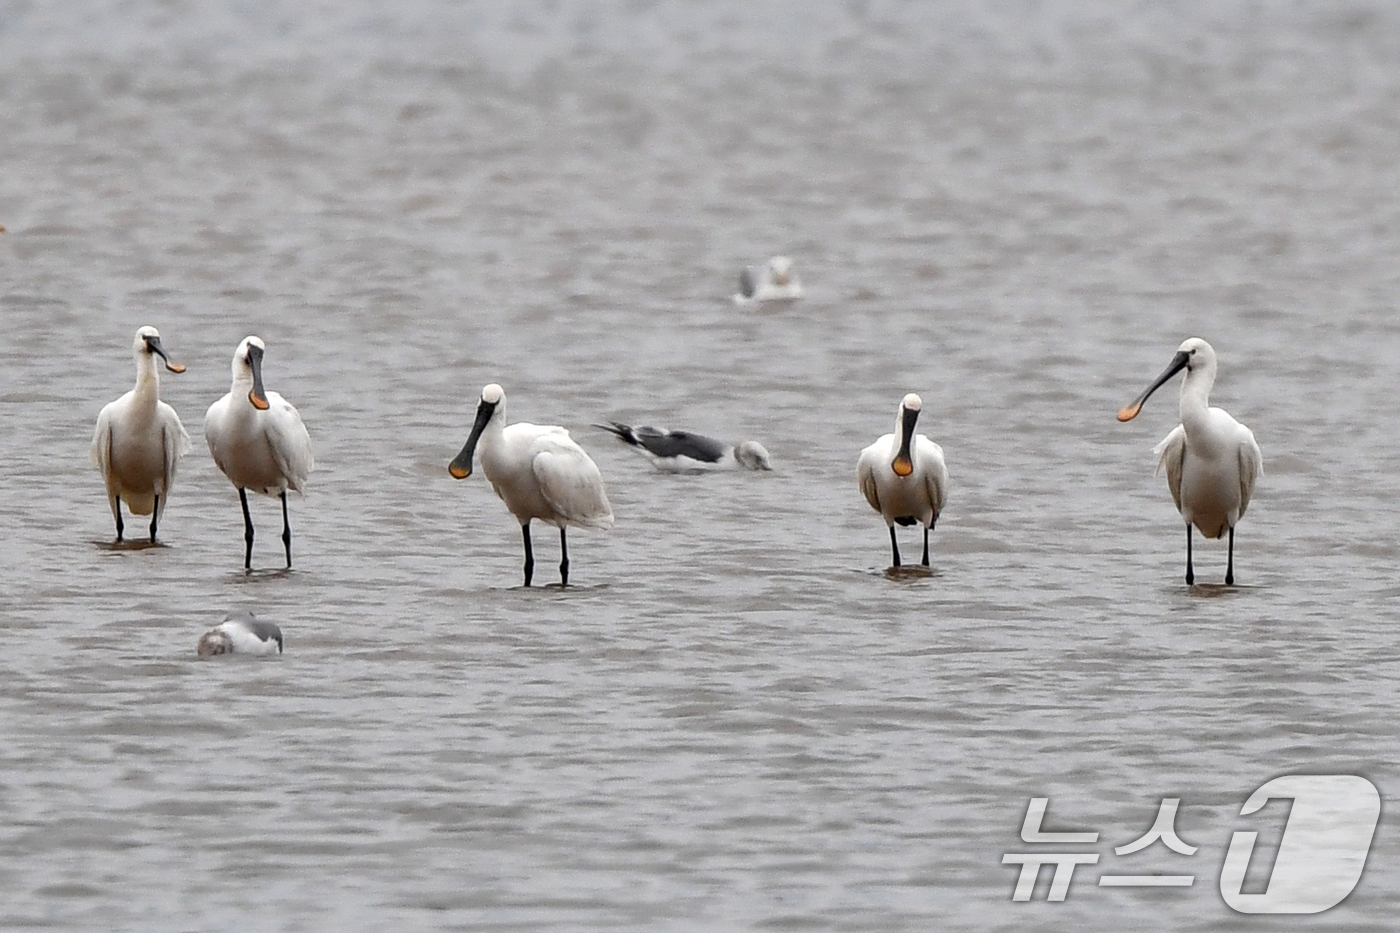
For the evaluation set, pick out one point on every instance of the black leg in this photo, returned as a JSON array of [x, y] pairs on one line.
[[529, 553], [120, 526], [564, 562], [247, 530], [155, 513], [1190, 574], [1230, 561], [286, 530], [926, 531], [894, 545]]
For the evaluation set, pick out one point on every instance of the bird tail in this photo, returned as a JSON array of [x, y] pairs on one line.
[[622, 432]]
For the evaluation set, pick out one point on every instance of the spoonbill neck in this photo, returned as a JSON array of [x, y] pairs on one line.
[[147, 376], [1195, 394]]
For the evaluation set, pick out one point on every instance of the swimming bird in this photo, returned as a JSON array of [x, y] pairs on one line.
[[1211, 459], [139, 439], [538, 471], [258, 440], [682, 451], [240, 632], [774, 282], [903, 475]]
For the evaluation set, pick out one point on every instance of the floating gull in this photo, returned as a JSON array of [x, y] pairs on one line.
[[241, 632], [139, 439], [1212, 460], [682, 451], [774, 282], [903, 475], [538, 471], [258, 440]]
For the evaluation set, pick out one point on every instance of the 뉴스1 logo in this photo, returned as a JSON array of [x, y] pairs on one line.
[[1319, 862]]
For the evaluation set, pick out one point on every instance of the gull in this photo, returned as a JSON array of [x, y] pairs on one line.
[[258, 440], [538, 471], [774, 282], [903, 475], [1211, 459], [139, 439], [240, 632], [680, 451]]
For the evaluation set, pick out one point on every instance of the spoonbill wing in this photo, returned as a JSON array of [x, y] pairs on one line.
[[101, 451], [1171, 453], [570, 482], [177, 440], [1251, 466], [935, 478], [865, 470], [289, 441]]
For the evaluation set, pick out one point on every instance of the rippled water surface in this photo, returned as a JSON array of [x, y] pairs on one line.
[[734, 717]]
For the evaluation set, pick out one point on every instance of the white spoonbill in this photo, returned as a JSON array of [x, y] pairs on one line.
[[538, 471], [774, 282], [139, 439], [1212, 460], [258, 441], [240, 632], [682, 451], [903, 475]]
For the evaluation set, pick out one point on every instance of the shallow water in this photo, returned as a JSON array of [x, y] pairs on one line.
[[734, 717]]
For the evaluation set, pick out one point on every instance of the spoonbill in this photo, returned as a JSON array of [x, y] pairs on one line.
[[240, 632], [681, 451], [258, 440], [538, 471], [1212, 460], [139, 439], [903, 475], [774, 282]]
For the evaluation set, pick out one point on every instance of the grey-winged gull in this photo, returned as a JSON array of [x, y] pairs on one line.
[[242, 633], [682, 451], [774, 282]]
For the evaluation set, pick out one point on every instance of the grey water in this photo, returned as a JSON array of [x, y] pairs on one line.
[[734, 717]]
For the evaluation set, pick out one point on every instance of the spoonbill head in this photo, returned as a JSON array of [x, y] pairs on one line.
[[538, 471], [904, 477], [139, 440], [258, 441], [1212, 460]]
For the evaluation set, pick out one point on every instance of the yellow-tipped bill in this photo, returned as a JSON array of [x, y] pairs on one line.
[[258, 401], [1177, 364], [175, 367], [458, 471], [902, 466]]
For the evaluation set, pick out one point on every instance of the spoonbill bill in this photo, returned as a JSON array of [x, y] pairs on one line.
[[774, 282], [903, 475], [240, 632], [139, 439], [682, 451], [538, 471], [258, 440], [1211, 459]]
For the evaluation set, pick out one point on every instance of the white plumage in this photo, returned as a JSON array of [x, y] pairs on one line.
[[903, 476], [139, 440], [243, 633], [774, 282], [538, 471], [1212, 461], [258, 440]]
